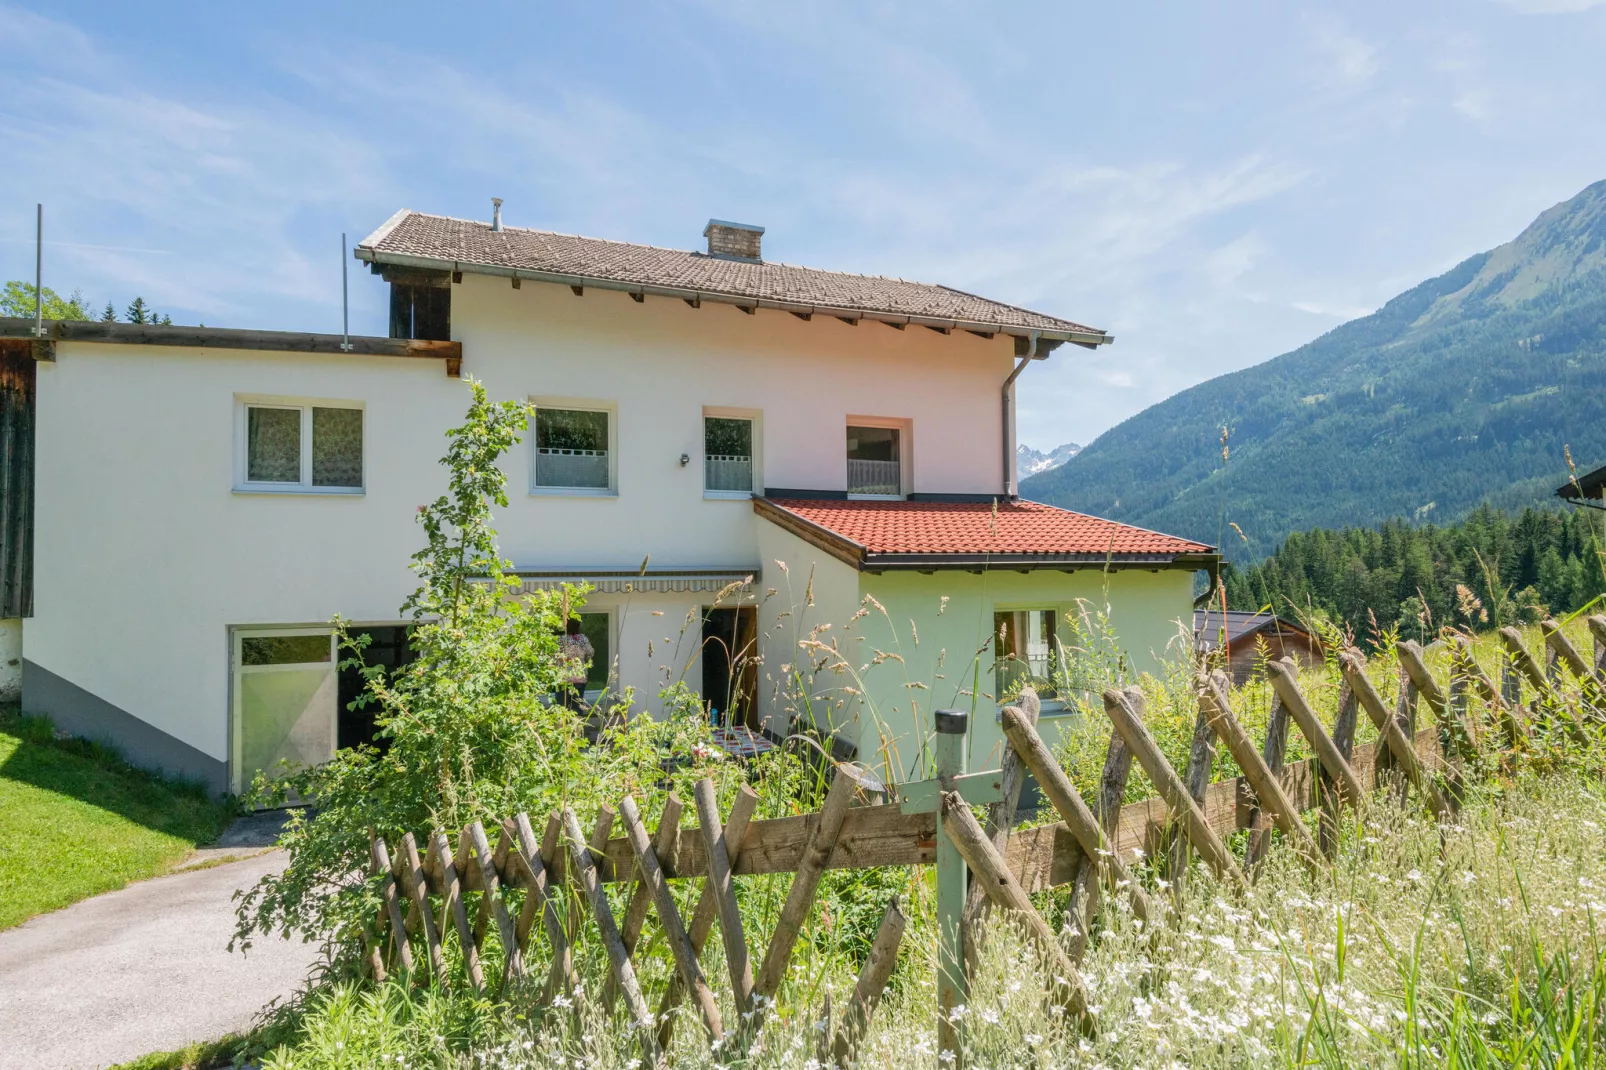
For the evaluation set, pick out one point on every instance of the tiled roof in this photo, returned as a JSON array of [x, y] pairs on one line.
[[411, 239], [1018, 531], [1207, 625]]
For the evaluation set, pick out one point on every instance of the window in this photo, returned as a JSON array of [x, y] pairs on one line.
[[302, 447], [874, 463], [572, 450], [727, 457], [1025, 651], [422, 309]]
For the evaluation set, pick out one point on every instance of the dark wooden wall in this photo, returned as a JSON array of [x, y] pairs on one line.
[[16, 477]]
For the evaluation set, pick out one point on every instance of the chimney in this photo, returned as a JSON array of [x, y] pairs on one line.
[[734, 241], [496, 214]]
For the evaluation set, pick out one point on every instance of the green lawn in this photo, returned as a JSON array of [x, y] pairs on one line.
[[76, 821]]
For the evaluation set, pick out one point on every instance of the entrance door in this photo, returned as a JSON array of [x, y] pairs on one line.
[[730, 671], [284, 701]]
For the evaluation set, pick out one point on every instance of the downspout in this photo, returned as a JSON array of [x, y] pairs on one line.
[[1011, 490]]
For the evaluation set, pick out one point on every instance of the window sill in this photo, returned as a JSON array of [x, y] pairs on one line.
[[1050, 709], [301, 491], [573, 492], [727, 495], [852, 497]]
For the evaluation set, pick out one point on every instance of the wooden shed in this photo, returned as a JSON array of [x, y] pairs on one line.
[[1246, 632]]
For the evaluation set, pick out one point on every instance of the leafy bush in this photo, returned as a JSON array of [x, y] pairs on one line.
[[464, 732]]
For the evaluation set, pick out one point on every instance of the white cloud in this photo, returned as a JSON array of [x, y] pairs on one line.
[[1347, 61]]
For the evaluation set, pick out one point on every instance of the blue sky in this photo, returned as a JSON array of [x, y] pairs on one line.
[[1215, 184]]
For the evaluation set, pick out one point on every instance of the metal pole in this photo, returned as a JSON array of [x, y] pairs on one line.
[[39, 271], [345, 299], [952, 990]]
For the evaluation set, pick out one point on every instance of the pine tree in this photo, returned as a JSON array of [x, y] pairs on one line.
[[139, 312], [109, 315]]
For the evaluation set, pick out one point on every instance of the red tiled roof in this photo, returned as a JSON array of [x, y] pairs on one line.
[[1018, 530]]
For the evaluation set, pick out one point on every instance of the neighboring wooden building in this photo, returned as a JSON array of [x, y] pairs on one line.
[[1244, 633], [1587, 490]]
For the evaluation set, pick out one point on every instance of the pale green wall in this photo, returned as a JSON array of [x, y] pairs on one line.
[[1146, 613]]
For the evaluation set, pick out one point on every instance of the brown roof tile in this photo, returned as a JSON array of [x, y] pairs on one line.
[[410, 238]]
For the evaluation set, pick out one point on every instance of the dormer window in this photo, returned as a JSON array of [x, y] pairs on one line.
[[875, 462]]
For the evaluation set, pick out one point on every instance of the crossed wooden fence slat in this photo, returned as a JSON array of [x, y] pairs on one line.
[[522, 882]]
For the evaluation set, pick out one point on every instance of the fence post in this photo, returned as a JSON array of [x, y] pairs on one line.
[[1201, 764], [952, 990], [1098, 851], [584, 873], [1597, 632], [1396, 743], [1124, 708], [1274, 754], [652, 875], [1085, 890], [872, 982], [1267, 787], [1000, 819], [417, 888], [971, 845], [702, 922]]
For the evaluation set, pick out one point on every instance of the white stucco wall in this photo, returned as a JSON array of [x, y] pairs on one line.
[[10, 660], [814, 598], [145, 556], [661, 362]]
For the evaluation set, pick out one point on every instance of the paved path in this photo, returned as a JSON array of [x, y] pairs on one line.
[[139, 970]]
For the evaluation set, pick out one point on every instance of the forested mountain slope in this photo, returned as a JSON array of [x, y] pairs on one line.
[[1460, 391]]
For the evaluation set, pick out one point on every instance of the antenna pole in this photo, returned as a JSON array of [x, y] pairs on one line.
[[39, 271], [345, 299]]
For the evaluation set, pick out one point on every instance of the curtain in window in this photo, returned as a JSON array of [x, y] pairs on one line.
[[273, 446], [336, 447]]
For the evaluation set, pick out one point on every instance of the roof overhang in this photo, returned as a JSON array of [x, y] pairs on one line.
[[1588, 490], [861, 558], [1087, 339], [57, 331]]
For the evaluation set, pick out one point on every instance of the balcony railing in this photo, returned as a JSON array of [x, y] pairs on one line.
[[571, 468], [727, 473], [873, 477]]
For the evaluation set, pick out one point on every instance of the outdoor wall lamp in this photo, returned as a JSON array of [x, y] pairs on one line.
[[685, 459]]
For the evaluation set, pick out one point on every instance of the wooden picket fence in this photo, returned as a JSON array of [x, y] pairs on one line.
[[556, 881]]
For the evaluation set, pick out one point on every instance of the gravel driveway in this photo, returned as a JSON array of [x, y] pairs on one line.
[[139, 970]]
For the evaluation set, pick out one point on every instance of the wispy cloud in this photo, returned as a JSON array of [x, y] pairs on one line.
[[1345, 60]]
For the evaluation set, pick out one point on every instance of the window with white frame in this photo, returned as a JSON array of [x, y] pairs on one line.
[[728, 467], [875, 462], [301, 446], [573, 449], [1026, 651]]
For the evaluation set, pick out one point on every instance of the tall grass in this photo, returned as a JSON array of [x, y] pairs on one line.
[[1475, 944]]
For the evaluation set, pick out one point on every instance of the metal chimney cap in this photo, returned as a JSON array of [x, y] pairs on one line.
[[496, 213]]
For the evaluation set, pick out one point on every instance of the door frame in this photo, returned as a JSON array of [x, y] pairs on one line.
[[237, 635]]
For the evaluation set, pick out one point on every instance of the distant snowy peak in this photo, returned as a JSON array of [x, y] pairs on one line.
[[1032, 462]]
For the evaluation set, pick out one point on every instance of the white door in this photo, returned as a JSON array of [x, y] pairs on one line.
[[284, 701]]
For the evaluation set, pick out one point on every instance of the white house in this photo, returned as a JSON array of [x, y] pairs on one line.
[[738, 455]]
